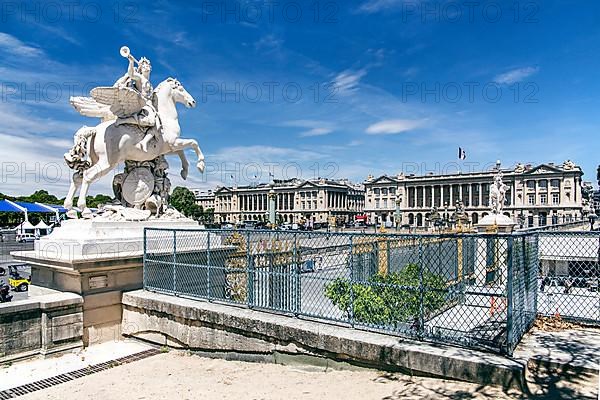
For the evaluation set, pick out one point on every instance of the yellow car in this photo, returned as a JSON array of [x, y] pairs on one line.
[[16, 281]]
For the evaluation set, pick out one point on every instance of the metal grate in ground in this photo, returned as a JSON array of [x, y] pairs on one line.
[[69, 376]]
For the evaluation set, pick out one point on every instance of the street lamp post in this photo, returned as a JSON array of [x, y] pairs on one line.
[[271, 197], [521, 219], [446, 219], [398, 215]]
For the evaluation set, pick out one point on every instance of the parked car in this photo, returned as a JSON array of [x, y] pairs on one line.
[[16, 281], [307, 266], [25, 237]]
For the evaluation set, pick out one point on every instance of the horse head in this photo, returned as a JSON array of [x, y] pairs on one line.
[[176, 91]]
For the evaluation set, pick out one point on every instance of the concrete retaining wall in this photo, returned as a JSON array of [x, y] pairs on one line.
[[203, 326], [44, 324]]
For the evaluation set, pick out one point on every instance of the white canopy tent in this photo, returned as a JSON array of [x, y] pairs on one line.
[[42, 228], [25, 227]]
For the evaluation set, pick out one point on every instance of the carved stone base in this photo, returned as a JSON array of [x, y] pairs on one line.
[[496, 223], [99, 260]]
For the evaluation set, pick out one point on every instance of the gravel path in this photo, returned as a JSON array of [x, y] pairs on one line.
[[177, 375]]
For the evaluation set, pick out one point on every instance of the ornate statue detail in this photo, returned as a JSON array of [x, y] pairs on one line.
[[497, 192], [520, 168], [144, 185], [434, 217], [568, 165], [133, 115], [460, 215]]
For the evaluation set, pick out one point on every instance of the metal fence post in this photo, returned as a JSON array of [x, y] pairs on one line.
[[174, 261], [421, 327], [249, 274], [297, 290], [351, 283], [144, 272], [208, 266], [509, 295]]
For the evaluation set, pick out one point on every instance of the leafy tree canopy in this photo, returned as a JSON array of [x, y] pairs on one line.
[[389, 299]]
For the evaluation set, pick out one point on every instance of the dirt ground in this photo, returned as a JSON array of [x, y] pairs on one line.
[[178, 375]]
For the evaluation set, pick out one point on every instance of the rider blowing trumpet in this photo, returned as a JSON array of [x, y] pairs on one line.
[[138, 79]]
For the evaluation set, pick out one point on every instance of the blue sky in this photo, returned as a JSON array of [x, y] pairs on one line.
[[401, 84]]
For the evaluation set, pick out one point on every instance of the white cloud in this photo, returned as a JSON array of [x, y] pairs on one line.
[[375, 6], [394, 126], [269, 43], [314, 128], [515, 75], [14, 46], [316, 132], [347, 81]]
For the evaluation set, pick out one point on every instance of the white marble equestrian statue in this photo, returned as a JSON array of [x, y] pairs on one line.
[[125, 133]]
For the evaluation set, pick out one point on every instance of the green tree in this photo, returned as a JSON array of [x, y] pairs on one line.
[[184, 201], [388, 299], [41, 196]]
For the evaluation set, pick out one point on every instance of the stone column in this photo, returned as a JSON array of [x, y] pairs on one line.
[[432, 195]]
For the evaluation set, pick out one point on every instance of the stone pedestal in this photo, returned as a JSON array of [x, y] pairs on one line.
[[496, 223], [99, 260], [491, 252]]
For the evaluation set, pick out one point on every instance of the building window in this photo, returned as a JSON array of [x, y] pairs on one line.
[[384, 192], [376, 190], [555, 198], [555, 183], [530, 184], [384, 203], [543, 184], [392, 190], [543, 199], [531, 199], [377, 203]]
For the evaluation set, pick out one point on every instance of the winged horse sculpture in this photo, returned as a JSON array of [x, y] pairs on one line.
[[100, 149]]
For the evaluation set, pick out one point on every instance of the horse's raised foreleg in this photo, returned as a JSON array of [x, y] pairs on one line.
[[180, 144], [75, 184], [90, 176]]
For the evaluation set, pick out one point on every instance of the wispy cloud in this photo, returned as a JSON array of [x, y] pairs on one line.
[[268, 42], [314, 128], [515, 75], [347, 82], [375, 6], [14, 46], [395, 126]]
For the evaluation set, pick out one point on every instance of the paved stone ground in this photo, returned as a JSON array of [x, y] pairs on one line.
[[32, 370], [577, 348], [178, 375]]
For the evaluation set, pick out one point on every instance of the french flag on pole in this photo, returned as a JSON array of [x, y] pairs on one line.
[[462, 154]]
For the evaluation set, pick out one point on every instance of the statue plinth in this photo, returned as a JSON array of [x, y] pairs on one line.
[[496, 223], [99, 259]]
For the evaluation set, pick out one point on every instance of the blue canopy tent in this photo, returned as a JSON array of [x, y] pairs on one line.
[[26, 208], [9, 206]]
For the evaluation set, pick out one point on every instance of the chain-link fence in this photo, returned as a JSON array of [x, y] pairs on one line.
[[477, 291], [569, 275]]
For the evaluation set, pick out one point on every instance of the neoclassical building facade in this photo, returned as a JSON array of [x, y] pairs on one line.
[[537, 195], [296, 201]]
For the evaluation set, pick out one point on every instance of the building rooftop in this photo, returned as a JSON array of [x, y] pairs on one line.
[[518, 169]]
